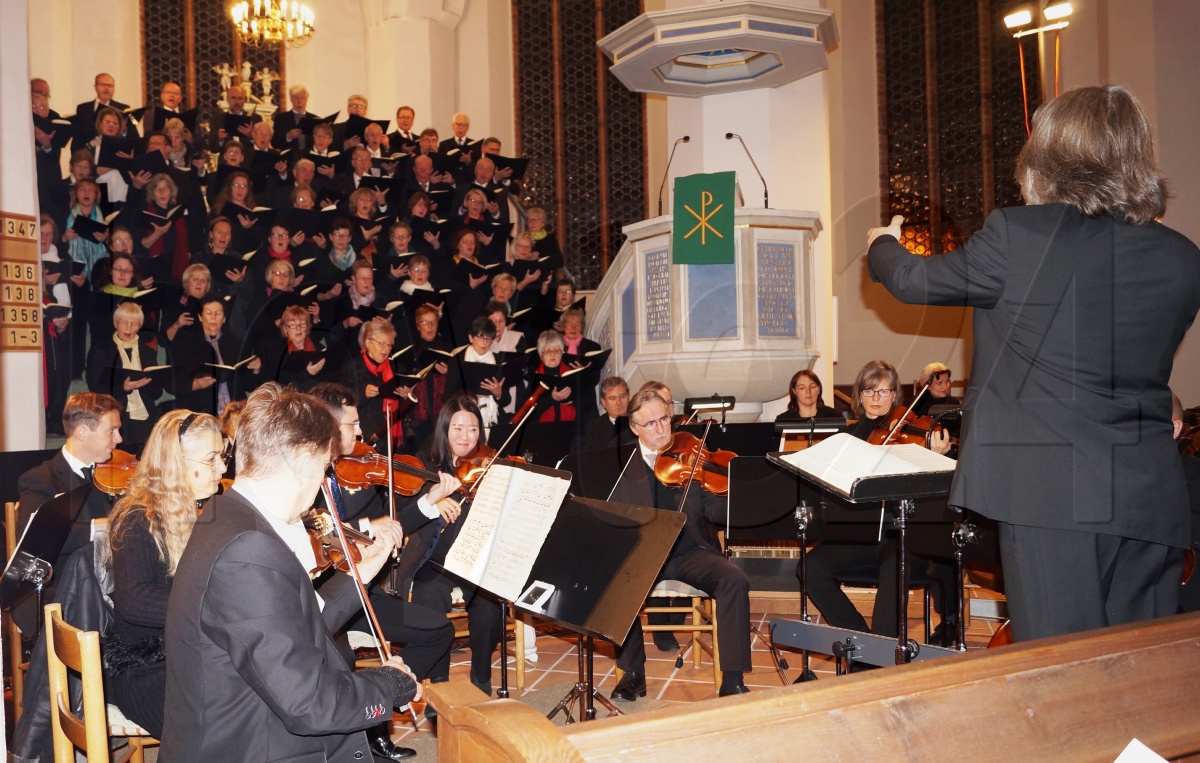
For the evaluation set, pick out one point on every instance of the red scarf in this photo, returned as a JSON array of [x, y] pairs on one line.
[[179, 258], [557, 411], [308, 346], [390, 403]]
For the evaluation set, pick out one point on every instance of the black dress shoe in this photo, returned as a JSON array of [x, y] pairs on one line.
[[735, 689], [382, 745], [666, 642], [631, 686]]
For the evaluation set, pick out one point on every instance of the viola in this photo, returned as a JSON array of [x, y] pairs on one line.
[[686, 457], [470, 470], [113, 476], [904, 427], [327, 545], [365, 466]]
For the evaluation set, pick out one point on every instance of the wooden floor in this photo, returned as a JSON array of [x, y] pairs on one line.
[[557, 661]]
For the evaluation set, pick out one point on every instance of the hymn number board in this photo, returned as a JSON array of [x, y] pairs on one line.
[[20, 289]]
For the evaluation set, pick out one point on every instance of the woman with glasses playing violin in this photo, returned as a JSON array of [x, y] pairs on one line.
[[180, 467], [876, 393]]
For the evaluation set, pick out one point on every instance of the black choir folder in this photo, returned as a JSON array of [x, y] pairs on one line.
[[861, 472]]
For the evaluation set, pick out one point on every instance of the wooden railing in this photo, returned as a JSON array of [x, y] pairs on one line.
[[1077, 698]]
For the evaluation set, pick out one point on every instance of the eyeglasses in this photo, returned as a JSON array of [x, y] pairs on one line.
[[552, 351], [655, 423], [279, 272], [882, 394], [427, 323], [381, 343], [122, 270], [296, 325], [352, 424], [218, 461], [239, 185]]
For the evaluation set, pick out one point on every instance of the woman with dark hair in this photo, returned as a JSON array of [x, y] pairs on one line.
[[235, 201], [117, 281], [180, 467], [876, 392], [455, 439], [431, 390], [806, 398], [1081, 298]]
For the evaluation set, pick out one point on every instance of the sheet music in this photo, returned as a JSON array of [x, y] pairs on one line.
[[505, 529], [843, 460]]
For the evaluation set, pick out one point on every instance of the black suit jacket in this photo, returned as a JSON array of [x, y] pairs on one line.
[[1067, 418], [252, 671], [285, 122], [85, 122], [639, 486]]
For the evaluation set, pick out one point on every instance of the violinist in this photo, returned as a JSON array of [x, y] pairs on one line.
[[426, 634], [180, 467], [876, 392], [252, 672], [456, 440], [937, 376], [93, 425], [695, 559], [806, 398]]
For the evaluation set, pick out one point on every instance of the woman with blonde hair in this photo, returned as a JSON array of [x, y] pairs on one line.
[[148, 529]]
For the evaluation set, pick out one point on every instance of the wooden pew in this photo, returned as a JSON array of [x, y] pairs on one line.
[[1078, 698]]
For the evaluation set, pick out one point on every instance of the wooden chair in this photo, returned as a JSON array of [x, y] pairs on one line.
[[16, 654], [67, 647], [702, 609]]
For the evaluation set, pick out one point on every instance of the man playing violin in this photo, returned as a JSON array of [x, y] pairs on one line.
[[426, 634], [695, 559], [252, 673], [92, 422]]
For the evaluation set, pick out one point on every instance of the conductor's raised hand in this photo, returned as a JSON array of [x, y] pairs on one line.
[[892, 230]]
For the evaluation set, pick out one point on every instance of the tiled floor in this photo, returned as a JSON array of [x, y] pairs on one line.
[[557, 661]]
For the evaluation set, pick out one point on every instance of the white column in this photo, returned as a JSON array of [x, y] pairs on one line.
[[22, 421]]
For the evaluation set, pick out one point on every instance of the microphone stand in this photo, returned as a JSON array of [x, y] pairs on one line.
[[666, 174], [766, 196]]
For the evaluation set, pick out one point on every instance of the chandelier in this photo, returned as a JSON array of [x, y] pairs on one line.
[[272, 21]]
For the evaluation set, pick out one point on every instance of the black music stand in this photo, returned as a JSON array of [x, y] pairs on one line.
[[597, 566], [32, 564], [900, 491]]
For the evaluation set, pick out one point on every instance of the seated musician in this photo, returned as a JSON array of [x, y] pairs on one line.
[[937, 376], [456, 439], [180, 467], [93, 426], [806, 398], [426, 634], [252, 672], [876, 392], [695, 559]]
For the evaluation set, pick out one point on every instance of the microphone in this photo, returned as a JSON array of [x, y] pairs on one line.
[[684, 139], [766, 197]]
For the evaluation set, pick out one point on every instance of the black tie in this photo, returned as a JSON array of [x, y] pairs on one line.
[[87, 475]]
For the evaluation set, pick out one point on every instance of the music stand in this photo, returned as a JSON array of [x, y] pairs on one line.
[[32, 564], [900, 491], [598, 564]]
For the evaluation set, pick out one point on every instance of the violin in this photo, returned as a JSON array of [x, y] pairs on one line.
[[904, 427], [113, 476], [327, 545], [365, 466], [686, 457], [470, 470]]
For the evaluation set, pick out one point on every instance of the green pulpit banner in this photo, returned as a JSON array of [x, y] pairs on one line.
[[703, 232]]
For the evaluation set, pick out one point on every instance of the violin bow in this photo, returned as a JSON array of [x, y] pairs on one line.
[[905, 416], [360, 587]]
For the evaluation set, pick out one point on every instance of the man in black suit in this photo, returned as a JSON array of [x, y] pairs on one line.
[[612, 426], [288, 133], [403, 138], [85, 113], [695, 559], [169, 98], [1080, 301], [93, 425], [460, 125], [235, 97], [252, 671]]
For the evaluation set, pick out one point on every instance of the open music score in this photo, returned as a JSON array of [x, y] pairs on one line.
[[846, 464], [20, 287], [509, 519]]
